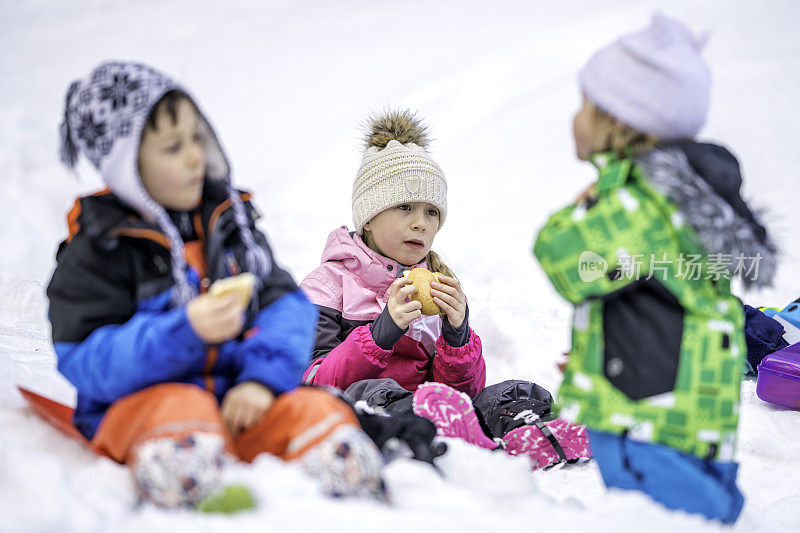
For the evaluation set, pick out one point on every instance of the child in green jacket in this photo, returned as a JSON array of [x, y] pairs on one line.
[[646, 255]]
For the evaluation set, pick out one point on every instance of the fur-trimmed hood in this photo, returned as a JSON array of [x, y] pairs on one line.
[[704, 181]]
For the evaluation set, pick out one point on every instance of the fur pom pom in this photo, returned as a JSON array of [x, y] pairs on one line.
[[402, 126]]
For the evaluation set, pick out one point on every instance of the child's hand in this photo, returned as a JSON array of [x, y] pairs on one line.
[[244, 405], [448, 296], [402, 312], [589, 193], [216, 319]]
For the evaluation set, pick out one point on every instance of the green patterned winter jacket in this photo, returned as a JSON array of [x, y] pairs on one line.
[[657, 336]]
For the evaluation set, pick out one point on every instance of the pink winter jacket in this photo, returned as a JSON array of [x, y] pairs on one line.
[[351, 288]]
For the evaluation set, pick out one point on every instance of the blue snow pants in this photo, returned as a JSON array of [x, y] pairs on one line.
[[675, 479]]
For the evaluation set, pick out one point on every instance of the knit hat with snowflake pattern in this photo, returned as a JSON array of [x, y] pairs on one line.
[[396, 169], [104, 118]]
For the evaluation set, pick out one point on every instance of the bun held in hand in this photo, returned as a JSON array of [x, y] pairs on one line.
[[422, 279], [242, 286]]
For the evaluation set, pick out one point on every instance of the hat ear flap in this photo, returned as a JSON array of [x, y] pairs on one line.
[[68, 151]]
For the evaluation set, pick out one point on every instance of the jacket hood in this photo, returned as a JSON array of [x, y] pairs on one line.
[[367, 264], [704, 181]]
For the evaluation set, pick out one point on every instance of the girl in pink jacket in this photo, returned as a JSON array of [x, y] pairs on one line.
[[373, 341]]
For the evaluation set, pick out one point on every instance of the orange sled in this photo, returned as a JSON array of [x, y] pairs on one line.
[[56, 414]]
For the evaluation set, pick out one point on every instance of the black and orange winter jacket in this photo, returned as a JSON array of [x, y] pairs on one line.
[[115, 330]]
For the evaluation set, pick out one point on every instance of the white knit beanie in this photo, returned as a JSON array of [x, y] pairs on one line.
[[396, 169], [655, 81]]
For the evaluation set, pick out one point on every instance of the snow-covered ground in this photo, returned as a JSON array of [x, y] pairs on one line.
[[287, 85]]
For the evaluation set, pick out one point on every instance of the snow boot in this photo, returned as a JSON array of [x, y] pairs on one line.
[[451, 412], [172, 472], [548, 443], [347, 463]]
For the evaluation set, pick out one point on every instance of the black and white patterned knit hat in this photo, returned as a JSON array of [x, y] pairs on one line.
[[104, 117]]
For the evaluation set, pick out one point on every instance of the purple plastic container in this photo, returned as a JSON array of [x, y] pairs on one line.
[[779, 377]]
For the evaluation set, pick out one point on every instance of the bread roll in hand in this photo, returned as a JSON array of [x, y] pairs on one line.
[[422, 279], [242, 286]]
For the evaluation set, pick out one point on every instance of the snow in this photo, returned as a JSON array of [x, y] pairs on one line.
[[287, 85]]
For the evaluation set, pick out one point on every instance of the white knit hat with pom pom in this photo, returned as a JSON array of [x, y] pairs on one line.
[[396, 168]]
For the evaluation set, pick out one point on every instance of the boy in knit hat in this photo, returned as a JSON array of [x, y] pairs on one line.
[[646, 256], [171, 378]]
